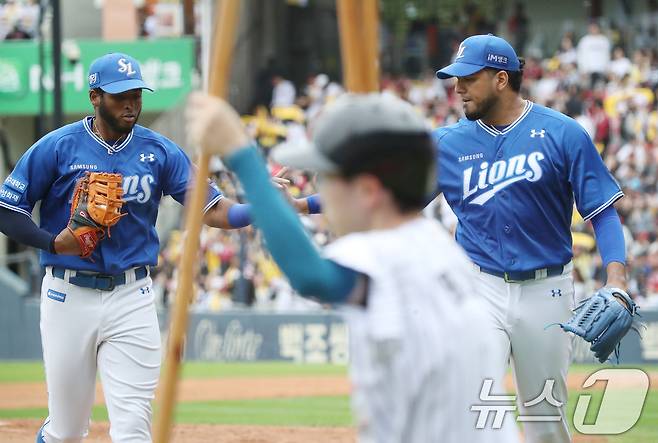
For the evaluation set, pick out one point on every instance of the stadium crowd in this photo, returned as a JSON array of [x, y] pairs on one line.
[[18, 19], [610, 92]]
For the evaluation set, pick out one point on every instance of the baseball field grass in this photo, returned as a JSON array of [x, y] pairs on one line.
[[302, 410]]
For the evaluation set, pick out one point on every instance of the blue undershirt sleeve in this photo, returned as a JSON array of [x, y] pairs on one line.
[[309, 273], [22, 229], [609, 236]]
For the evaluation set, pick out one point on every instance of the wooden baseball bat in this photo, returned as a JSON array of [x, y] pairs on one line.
[[358, 23], [226, 17]]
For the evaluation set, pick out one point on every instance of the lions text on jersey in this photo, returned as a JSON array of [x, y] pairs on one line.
[[151, 165], [513, 188]]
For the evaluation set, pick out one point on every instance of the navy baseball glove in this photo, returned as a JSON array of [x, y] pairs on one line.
[[603, 321]]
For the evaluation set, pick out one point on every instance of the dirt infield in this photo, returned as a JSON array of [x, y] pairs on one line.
[[21, 431], [30, 395], [33, 395]]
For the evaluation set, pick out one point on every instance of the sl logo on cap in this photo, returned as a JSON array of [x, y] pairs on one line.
[[460, 51], [126, 67]]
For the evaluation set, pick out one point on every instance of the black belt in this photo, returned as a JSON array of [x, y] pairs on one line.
[[104, 282], [521, 276]]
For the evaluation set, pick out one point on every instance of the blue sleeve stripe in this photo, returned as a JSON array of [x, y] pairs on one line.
[[211, 203], [14, 208], [613, 199]]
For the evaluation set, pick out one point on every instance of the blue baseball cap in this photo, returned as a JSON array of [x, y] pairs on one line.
[[479, 52], [116, 73]]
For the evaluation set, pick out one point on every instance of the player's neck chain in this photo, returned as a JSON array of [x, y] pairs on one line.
[[94, 128]]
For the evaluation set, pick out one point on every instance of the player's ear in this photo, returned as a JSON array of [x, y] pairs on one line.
[[502, 80], [95, 97]]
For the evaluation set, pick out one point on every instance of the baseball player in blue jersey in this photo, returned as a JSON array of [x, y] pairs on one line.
[[511, 171], [97, 313]]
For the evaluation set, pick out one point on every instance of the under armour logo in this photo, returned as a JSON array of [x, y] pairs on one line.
[[143, 157], [460, 51], [126, 66], [145, 290], [556, 292], [534, 133]]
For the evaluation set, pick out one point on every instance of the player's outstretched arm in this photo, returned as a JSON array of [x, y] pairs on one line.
[[228, 214], [217, 216]]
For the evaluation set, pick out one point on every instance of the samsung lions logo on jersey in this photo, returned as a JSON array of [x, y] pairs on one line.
[[137, 188], [126, 67], [501, 174]]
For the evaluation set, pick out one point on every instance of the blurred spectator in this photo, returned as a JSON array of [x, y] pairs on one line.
[[18, 19], [620, 66], [17, 34], [594, 54], [567, 54], [283, 93]]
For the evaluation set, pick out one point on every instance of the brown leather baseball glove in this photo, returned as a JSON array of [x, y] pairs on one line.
[[95, 208]]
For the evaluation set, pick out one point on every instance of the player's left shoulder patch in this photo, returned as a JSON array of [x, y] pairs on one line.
[[57, 296]]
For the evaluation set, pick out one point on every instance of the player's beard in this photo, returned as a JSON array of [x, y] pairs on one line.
[[114, 123], [483, 109]]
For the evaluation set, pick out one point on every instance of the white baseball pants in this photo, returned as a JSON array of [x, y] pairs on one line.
[[521, 314], [115, 332]]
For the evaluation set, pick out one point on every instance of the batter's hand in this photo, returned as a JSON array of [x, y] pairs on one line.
[[213, 125]]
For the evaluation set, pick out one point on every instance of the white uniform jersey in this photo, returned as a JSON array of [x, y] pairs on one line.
[[418, 354]]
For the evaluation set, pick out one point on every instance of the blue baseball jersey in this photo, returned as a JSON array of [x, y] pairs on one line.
[[513, 189], [152, 166]]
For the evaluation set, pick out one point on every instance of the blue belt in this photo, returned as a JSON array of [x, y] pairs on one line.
[[521, 276], [104, 282]]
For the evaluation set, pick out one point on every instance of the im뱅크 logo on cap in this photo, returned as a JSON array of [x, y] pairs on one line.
[[498, 59], [93, 78]]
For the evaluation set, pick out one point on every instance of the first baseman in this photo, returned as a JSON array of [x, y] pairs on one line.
[[405, 286], [511, 171], [97, 313]]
